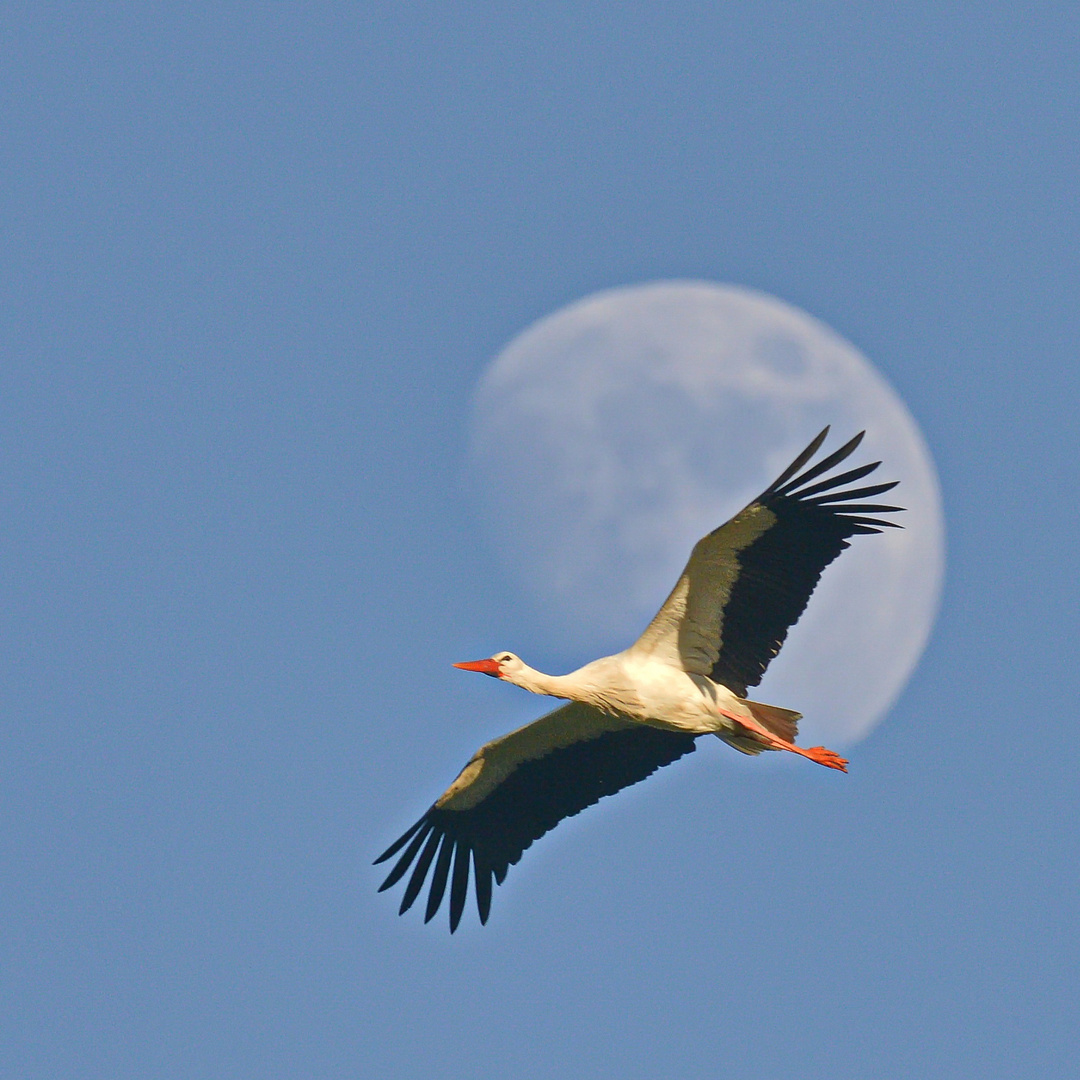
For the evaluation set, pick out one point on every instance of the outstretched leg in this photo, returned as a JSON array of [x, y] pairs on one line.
[[828, 758]]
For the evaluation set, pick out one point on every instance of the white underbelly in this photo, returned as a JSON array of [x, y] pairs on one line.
[[680, 702]]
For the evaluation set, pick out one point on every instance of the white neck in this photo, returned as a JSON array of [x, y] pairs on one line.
[[560, 686], [601, 683]]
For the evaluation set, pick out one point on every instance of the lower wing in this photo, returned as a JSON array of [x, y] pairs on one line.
[[515, 789]]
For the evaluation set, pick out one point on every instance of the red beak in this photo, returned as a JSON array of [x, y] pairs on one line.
[[488, 667]]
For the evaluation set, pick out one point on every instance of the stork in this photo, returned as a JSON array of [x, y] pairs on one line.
[[745, 585]]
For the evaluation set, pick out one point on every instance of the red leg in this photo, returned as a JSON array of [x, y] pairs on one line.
[[828, 758]]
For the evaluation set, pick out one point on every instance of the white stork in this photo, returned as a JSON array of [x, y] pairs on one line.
[[629, 714]]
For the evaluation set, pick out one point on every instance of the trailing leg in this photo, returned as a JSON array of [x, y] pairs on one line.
[[748, 724]]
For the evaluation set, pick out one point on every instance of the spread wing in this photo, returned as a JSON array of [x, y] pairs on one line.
[[515, 789], [749, 580]]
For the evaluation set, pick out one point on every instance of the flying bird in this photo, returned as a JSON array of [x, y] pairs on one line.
[[630, 714]]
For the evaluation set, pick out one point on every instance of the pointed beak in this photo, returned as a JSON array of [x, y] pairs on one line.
[[488, 667]]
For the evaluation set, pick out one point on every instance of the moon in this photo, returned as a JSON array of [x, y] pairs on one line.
[[609, 436]]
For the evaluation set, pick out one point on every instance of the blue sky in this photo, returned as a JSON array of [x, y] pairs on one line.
[[255, 259]]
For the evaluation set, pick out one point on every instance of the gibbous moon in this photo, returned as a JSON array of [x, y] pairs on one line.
[[611, 435]]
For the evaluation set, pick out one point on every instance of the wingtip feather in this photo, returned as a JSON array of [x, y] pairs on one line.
[[822, 466], [851, 493], [416, 881], [802, 459], [482, 874], [829, 482], [402, 864], [438, 881], [399, 843], [459, 885]]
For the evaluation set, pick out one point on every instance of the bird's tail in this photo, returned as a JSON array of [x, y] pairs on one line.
[[781, 722]]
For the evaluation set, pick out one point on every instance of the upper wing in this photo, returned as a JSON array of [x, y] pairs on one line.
[[516, 788], [748, 581]]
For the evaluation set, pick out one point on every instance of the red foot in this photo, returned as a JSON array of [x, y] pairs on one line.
[[828, 758]]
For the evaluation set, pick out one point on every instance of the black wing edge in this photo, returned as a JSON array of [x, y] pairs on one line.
[[780, 570], [531, 801], [786, 488]]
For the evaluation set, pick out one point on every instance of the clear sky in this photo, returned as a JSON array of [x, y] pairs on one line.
[[255, 258]]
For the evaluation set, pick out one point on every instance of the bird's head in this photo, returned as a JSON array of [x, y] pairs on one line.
[[503, 665]]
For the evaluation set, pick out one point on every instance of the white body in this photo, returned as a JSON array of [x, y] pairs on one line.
[[636, 685]]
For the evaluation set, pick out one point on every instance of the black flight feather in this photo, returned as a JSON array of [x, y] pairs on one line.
[[438, 880], [416, 882], [403, 863], [822, 466], [529, 802], [781, 568]]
